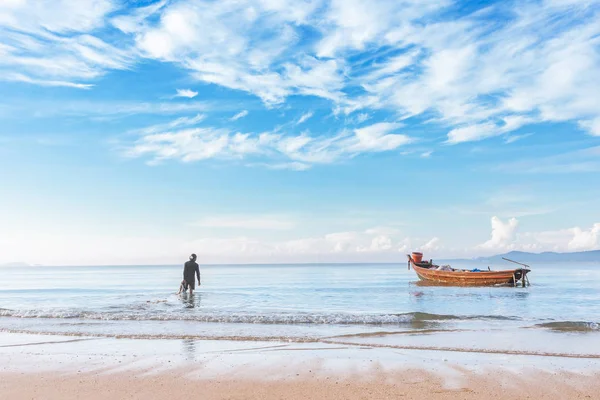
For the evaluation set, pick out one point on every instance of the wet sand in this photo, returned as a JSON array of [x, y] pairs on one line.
[[55, 367]]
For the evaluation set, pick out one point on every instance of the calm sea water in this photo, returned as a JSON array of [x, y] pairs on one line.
[[291, 301]]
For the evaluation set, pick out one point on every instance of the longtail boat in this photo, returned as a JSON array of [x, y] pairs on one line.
[[428, 271]]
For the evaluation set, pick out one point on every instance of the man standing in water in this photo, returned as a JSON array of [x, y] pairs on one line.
[[189, 270]]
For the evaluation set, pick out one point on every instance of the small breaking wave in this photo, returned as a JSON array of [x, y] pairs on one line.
[[570, 326], [165, 336], [249, 318]]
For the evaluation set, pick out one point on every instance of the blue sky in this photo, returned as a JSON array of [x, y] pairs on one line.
[[297, 131]]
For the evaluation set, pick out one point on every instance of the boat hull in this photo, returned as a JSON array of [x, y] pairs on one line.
[[484, 278]]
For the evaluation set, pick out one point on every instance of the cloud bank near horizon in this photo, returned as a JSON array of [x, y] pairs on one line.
[[376, 244]]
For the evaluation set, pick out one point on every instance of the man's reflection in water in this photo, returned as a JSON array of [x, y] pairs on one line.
[[190, 300], [189, 345], [189, 349]]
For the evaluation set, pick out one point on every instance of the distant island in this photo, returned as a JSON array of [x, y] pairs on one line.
[[548, 256]]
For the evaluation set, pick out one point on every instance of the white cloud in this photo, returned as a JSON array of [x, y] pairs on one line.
[[50, 44], [110, 109], [585, 239], [352, 25], [260, 222], [294, 166], [382, 230], [135, 21], [304, 117], [562, 240], [476, 74], [176, 123], [592, 126], [61, 16], [16, 77], [370, 245], [239, 115], [281, 151], [362, 117], [426, 154], [239, 45], [349, 243], [503, 234], [376, 137], [188, 93], [513, 138], [472, 133], [485, 79], [380, 243], [431, 245]]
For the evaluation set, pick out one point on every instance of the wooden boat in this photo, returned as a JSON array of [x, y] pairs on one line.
[[427, 271]]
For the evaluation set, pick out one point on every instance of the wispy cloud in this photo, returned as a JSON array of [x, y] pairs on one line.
[[239, 53], [16, 77], [472, 133], [382, 230], [362, 117], [188, 93], [579, 161], [513, 138], [479, 74], [304, 117], [592, 126], [177, 123], [109, 109], [295, 151], [239, 115], [293, 166], [51, 43]]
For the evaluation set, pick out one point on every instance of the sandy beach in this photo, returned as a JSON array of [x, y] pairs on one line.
[[51, 367], [413, 384]]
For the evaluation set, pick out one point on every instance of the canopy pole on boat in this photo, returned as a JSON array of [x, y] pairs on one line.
[[516, 262]]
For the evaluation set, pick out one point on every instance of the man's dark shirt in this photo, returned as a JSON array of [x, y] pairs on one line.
[[189, 269]]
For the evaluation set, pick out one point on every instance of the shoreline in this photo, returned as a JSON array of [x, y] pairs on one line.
[[37, 367], [335, 340]]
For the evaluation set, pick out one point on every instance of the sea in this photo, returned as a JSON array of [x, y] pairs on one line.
[[381, 305]]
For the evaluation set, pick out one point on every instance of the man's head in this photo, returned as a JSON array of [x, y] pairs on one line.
[[193, 257]]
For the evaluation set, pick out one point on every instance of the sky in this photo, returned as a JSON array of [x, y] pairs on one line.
[[251, 131]]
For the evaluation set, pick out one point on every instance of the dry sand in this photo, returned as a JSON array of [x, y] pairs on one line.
[[409, 385]]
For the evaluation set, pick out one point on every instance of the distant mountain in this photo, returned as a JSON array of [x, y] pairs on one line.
[[15, 264], [548, 256]]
